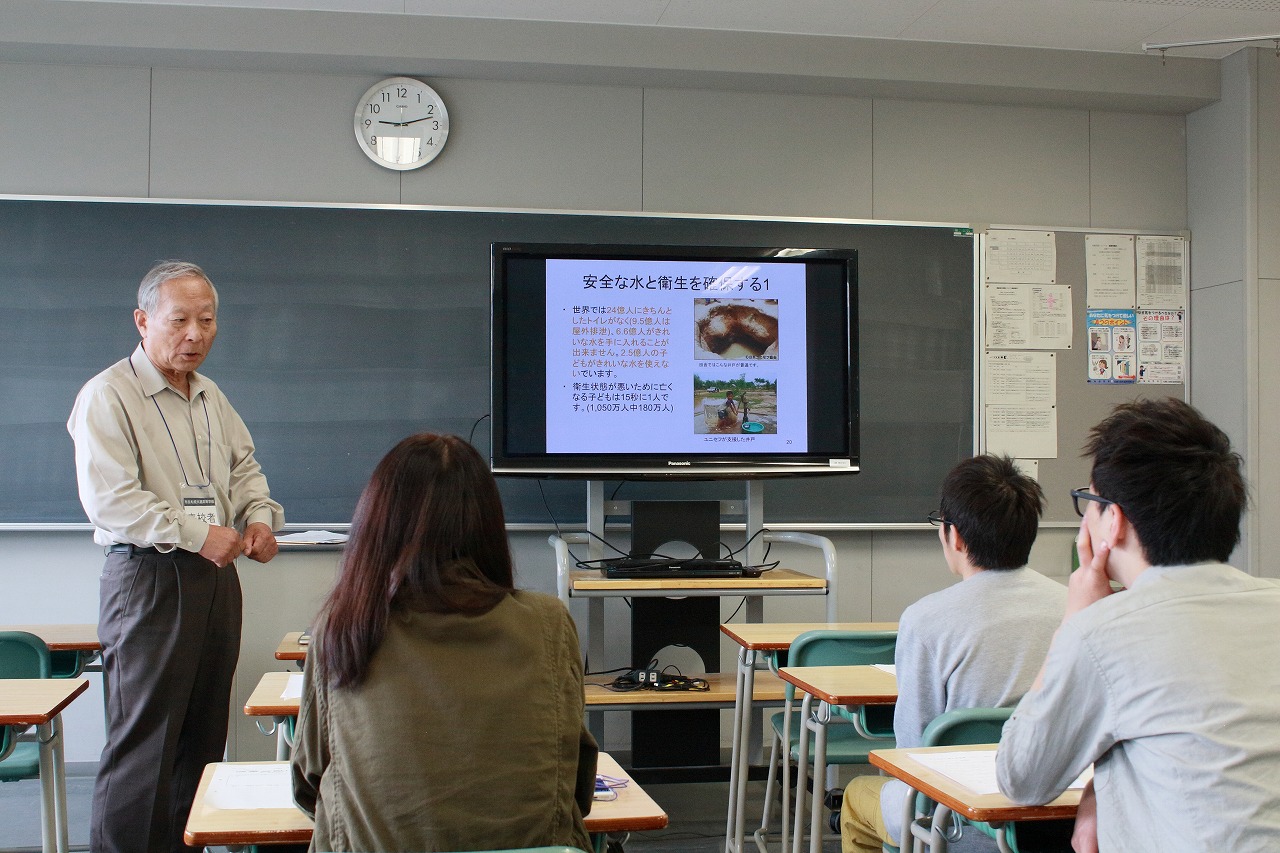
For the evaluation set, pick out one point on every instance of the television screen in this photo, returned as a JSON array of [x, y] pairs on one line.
[[618, 362]]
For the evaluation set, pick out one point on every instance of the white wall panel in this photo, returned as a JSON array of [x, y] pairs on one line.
[[759, 153], [973, 163], [1268, 129], [260, 136], [534, 145], [1216, 181], [1137, 171], [73, 130], [1265, 490]]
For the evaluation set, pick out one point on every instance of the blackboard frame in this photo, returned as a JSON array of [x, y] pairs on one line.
[[344, 328]]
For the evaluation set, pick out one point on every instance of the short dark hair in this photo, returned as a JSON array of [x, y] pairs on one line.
[[1174, 474], [428, 534], [996, 508]]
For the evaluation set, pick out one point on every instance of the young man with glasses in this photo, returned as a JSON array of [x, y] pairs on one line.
[[975, 644], [1171, 688]]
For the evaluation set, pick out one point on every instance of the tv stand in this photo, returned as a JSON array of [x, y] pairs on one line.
[[695, 598]]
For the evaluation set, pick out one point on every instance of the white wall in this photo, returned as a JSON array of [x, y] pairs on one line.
[[168, 132]]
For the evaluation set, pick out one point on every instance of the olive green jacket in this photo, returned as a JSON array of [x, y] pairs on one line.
[[467, 734]]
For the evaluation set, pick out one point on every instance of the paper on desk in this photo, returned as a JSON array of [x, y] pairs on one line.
[[250, 786], [293, 687], [313, 537], [886, 667], [975, 769]]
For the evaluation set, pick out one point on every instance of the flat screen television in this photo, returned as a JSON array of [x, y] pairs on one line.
[[638, 362]]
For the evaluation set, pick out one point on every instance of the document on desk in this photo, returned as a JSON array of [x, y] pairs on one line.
[[886, 667], [975, 769], [312, 537], [293, 687], [251, 786]]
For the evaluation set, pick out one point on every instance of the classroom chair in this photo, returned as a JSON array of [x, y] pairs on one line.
[[965, 726], [846, 744], [22, 655]]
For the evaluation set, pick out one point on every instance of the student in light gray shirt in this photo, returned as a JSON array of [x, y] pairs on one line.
[[978, 643], [1171, 687]]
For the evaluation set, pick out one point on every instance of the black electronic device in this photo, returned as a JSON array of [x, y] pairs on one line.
[[694, 362], [639, 568]]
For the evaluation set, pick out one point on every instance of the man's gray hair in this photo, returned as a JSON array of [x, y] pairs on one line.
[[149, 290]]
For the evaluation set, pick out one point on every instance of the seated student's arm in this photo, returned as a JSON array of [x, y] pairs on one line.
[[1059, 728], [922, 693], [311, 742]]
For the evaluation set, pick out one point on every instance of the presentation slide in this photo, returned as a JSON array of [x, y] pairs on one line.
[[676, 357]]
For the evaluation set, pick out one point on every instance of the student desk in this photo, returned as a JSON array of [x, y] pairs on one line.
[[995, 809], [633, 811], [830, 685], [756, 641], [39, 702], [290, 649], [268, 700]]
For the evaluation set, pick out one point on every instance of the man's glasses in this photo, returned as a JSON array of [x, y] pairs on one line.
[[935, 518], [1083, 494]]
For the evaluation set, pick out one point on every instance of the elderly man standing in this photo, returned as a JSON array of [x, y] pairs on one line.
[[167, 475]]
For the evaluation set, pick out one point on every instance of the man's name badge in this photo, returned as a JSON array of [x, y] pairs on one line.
[[201, 507]]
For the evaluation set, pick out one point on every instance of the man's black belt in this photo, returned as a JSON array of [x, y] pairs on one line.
[[126, 548]]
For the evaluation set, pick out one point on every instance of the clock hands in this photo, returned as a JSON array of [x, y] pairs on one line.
[[403, 123]]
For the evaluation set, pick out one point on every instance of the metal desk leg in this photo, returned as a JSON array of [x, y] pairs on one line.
[[739, 769], [821, 720], [53, 787], [802, 761]]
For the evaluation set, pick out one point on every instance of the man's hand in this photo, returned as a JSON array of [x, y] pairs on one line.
[[1090, 582], [221, 546], [1084, 838], [260, 542]]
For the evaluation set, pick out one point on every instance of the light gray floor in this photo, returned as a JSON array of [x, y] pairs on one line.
[[696, 811]]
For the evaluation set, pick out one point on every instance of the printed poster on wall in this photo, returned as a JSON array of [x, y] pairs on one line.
[[1109, 271], [1027, 316], [1161, 347], [1112, 336], [1162, 263]]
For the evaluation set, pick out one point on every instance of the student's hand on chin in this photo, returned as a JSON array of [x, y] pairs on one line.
[[1090, 582]]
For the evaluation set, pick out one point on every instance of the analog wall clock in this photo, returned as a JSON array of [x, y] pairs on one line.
[[401, 123]]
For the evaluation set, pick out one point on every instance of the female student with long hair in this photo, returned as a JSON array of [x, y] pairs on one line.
[[442, 708]]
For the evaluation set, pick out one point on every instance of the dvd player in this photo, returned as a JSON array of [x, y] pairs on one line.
[[660, 567]]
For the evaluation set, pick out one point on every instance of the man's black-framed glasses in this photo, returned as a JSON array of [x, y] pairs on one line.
[[935, 518], [1083, 494]]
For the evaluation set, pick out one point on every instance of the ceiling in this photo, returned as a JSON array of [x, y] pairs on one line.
[[1110, 26]]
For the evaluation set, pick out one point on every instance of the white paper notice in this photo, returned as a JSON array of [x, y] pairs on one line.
[[1021, 379], [1027, 316], [1025, 432], [1161, 347], [886, 667], [1022, 256], [312, 537], [1162, 265], [293, 687], [251, 786], [975, 769], [1109, 268]]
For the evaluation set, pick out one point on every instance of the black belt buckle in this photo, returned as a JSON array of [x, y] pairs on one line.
[[131, 550]]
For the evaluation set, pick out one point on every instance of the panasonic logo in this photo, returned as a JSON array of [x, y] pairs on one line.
[[684, 464]]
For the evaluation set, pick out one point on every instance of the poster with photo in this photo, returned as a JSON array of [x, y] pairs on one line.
[[1113, 344], [1161, 347]]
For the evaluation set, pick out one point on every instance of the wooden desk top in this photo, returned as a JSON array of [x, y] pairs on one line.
[[844, 685], [993, 808], [63, 638], [290, 648], [633, 810], [778, 636], [267, 700], [590, 580], [767, 688], [36, 701]]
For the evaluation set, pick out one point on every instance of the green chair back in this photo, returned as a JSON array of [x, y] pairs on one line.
[[23, 655], [966, 725], [827, 647]]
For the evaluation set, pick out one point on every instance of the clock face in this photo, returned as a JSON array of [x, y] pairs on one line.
[[401, 123]]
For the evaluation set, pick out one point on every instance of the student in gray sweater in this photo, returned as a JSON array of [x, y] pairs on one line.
[[976, 644]]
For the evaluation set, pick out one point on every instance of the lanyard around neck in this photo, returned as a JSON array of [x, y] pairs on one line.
[[195, 444]]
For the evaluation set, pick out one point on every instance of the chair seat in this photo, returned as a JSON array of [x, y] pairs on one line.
[[844, 744], [22, 763]]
